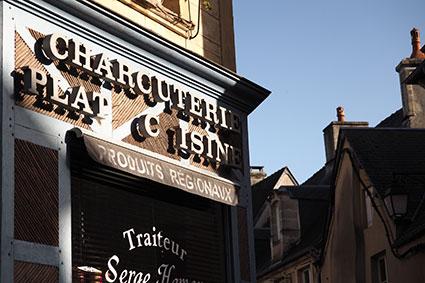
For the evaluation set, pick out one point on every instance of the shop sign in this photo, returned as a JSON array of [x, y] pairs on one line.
[[140, 81]]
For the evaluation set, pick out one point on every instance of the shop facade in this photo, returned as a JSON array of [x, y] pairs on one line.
[[124, 156]]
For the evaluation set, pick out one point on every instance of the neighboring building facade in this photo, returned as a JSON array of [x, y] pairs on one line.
[[124, 143], [298, 217], [372, 225], [367, 242], [376, 232]]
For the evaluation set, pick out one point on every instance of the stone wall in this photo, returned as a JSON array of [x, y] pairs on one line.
[[177, 21]]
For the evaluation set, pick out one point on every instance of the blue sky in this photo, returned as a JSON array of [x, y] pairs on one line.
[[314, 56]]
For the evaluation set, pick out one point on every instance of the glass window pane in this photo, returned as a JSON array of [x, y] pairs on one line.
[[171, 229], [306, 276], [382, 270]]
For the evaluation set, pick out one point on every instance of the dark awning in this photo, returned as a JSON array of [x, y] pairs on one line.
[[134, 162]]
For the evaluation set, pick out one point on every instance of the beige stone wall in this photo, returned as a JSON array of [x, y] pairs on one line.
[[215, 40], [410, 269], [340, 260]]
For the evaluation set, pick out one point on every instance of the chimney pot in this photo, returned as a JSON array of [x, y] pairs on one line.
[[340, 114], [416, 44], [331, 132]]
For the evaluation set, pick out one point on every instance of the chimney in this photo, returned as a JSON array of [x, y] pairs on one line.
[[412, 95], [257, 174], [331, 132]]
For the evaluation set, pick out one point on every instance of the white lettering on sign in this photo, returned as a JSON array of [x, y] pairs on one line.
[[145, 125], [208, 147], [155, 239], [88, 103], [137, 165], [202, 186], [74, 52], [204, 112], [147, 239], [160, 171], [125, 276]]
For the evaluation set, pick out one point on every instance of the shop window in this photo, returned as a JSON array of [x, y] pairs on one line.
[[304, 275], [129, 228], [379, 268]]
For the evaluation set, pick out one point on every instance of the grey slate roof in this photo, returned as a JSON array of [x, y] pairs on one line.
[[395, 120], [321, 177], [385, 152], [309, 192]]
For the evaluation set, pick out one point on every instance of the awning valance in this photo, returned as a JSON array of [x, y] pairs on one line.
[[137, 163]]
